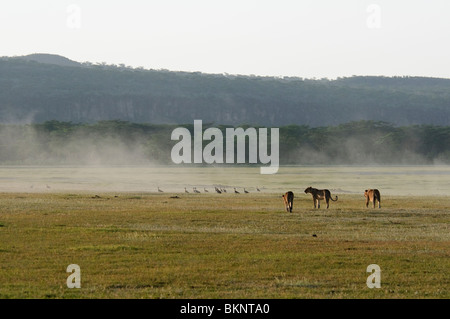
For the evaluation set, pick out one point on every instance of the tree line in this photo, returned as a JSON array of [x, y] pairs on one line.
[[126, 143]]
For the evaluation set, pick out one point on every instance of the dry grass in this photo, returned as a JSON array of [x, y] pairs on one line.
[[147, 245]]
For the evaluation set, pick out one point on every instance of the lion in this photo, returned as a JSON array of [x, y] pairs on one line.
[[372, 195], [288, 201], [320, 194]]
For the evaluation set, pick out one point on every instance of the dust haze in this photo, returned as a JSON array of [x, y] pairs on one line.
[[359, 150], [106, 160], [25, 145]]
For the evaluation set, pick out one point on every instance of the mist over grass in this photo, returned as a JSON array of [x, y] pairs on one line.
[[56, 143], [124, 143]]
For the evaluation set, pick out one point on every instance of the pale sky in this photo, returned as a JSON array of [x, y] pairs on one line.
[[310, 39]]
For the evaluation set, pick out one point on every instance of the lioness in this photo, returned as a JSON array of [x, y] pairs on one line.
[[372, 195], [288, 201], [319, 194]]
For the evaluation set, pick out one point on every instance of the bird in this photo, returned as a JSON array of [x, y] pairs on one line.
[[159, 190], [48, 187], [235, 191], [245, 191], [185, 190], [224, 190], [218, 190], [206, 191], [257, 189], [196, 190]]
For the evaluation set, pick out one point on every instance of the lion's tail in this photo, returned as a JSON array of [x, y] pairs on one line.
[[334, 200]]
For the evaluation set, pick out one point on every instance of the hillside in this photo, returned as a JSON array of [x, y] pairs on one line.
[[50, 59], [47, 87]]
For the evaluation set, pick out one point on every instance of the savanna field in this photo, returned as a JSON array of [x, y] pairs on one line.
[[146, 244]]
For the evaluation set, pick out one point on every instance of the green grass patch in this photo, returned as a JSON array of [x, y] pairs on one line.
[[221, 246]]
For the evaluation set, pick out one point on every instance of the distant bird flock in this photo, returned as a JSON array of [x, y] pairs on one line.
[[218, 190]]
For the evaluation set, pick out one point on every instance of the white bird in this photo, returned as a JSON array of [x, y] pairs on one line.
[[185, 190], [206, 191], [245, 191], [159, 190]]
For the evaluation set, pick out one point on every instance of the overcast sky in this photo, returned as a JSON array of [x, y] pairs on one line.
[[310, 39]]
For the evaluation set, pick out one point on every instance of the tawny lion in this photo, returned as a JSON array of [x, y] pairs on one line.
[[372, 195], [320, 194], [288, 201]]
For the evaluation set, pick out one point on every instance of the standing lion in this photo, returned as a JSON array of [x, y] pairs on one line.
[[372, 195], [288, 201], [320, 194]]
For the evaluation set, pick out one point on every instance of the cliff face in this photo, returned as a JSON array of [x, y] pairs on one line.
[[32, 91]]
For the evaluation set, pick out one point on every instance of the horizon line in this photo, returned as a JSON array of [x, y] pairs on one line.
[[226, 74]]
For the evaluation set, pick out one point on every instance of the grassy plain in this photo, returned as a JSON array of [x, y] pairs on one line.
[[150, 245]]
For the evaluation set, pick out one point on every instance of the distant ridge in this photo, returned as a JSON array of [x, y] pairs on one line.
[[57, 88], [50, 59]]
